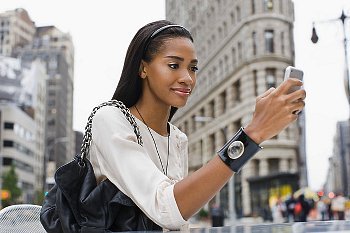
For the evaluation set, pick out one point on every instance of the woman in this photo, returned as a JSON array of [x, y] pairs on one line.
[[159, 75]]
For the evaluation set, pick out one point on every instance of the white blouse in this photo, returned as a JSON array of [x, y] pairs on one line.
[[136, 170]]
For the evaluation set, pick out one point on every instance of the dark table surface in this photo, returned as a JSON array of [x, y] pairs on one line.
[[299, 227]]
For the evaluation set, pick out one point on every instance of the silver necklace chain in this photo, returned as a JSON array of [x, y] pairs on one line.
[[165, 171]]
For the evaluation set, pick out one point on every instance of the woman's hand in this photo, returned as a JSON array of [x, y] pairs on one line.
[[275, 110]]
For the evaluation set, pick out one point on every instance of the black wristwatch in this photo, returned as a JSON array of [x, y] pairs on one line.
[[238, 150]]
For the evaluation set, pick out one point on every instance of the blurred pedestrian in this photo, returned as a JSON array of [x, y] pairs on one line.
[[290, 204], [279, 211], [302, 209], [321, 209], [217, 215], [338, 206]]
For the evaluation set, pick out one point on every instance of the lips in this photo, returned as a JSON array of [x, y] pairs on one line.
[[182, 91]]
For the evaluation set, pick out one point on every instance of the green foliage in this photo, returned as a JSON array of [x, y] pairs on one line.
[[10, 180], [203, 213], [39, 197]]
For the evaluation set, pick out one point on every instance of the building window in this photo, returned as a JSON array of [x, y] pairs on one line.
[[253, 6], [270, 78], [8, 125], [233, 21], [239, 46], [7, 161], [212, 108], [269, 34], [290, 164], [220, 33], [223, 101], [212, 143], [213, 39], [193, 123], [273, 165], [215, 73], [202, 113], [268, 5], [8, 143], [255, 80], [226, 64], [238, 13], [225, 28], [233, 57], [254, 42], [221, 69], [236, 91]]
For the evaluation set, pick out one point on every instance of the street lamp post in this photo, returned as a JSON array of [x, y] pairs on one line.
[[48, 148], [314, 39]]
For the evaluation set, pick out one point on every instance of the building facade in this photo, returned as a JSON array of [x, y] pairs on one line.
[[23, 96], [54, 48], [339, 163], [16, 31], [243, 48], [18, 147]]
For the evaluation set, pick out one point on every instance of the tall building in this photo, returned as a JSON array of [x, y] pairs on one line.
[[23, 40], [55, 49], [16, 31], [339, 163], [22, 122], [243, 48]]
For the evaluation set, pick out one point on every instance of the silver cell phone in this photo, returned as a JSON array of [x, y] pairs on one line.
[[292, 72]]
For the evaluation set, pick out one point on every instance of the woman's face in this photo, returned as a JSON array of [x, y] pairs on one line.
[[171, 75]]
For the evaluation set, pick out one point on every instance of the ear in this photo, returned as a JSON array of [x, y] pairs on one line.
[[143, 69]]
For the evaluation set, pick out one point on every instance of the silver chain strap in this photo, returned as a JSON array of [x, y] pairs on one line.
[[85, 146]]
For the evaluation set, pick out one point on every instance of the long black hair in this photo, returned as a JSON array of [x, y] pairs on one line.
[[143, 47]]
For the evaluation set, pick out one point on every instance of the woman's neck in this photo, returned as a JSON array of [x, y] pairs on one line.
[[154, 116]]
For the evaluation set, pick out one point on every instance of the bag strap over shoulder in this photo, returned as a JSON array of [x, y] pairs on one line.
[[88, 134]]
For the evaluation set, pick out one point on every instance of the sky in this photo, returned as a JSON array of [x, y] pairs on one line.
[[102, 31]]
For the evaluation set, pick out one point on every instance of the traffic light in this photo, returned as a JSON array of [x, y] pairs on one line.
[[5, 194]]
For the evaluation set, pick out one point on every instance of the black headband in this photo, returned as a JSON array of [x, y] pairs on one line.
[[165, 27], [159, 30]]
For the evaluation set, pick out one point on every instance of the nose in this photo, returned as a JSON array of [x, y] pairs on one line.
[[187, 78]]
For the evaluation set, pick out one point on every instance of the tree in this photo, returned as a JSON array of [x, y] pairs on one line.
[[10, 180]]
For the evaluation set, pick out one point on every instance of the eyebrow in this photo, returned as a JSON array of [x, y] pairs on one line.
[[181, 59]]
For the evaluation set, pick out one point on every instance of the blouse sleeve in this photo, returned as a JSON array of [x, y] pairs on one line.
[[126, 164]]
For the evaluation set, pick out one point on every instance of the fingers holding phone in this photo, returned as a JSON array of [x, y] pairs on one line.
[[294, 85], [293, 73]]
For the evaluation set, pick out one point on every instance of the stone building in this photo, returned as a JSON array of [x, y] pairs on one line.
[[243, 48]]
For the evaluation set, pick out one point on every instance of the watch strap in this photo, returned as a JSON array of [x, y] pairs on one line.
[[249, 150]]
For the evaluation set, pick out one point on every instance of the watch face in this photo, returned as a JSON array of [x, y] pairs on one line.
[[235, 150]]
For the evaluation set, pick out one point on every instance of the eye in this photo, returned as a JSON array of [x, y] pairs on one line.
[[194, 68], [173, 66]]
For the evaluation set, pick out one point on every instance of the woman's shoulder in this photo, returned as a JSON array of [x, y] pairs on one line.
[[111, 116], [107, 112]]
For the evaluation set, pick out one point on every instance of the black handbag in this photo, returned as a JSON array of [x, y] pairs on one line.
[[77, 204]]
